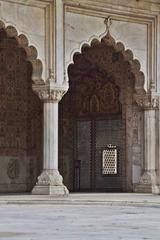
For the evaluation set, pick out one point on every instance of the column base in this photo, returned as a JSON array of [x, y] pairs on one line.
[[146, 182], [50, 190], [50, 182], [143, 188], [156, 190]]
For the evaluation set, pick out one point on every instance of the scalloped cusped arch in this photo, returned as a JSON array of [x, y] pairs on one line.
[[99, 109], [31, 51], [118, 49]]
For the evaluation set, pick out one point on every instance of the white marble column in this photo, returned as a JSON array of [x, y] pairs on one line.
[[50, 92], [50, 181], [148, 178], [156, 185], [50, 135]]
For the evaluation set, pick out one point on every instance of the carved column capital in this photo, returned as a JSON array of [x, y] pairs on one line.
[[50, 95], [147, 102], [50, 91]]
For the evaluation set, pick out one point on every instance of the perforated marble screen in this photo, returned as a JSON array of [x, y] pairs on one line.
[[109, 161]]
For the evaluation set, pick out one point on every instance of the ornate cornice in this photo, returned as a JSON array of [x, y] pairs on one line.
[[147, 102]]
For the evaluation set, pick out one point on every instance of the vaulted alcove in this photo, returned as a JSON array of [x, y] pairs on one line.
[[101, 126], [20, 115]]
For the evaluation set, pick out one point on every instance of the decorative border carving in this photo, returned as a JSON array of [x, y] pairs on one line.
[[13, 169]]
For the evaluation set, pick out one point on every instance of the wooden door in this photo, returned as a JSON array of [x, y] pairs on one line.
[[92, 137]]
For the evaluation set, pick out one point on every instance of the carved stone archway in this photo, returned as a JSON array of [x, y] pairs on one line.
[[116, 63]]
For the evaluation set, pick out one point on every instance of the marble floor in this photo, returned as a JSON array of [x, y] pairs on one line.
[[78, 222], [84, 198]]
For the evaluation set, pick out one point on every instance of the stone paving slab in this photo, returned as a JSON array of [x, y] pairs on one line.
[[78, 222]]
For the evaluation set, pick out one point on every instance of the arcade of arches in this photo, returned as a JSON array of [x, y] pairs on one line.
[[98, 110], [97, 132]]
